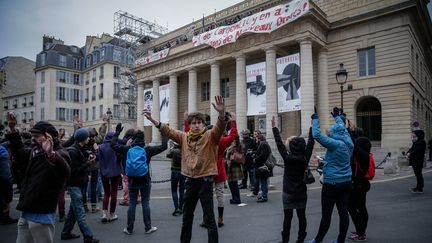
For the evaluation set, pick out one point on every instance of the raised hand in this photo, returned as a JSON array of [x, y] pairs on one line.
[[147, 114], [185, 115], [335, 112], [273, 121], [219, 105], [11, 121], [119, 128], [47, 144]]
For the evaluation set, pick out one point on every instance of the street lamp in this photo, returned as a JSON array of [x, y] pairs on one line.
[[341, 78], [109, 116]]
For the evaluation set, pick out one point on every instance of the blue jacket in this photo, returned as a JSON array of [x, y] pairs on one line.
[[5, 170], [339, 147], [109, 165]]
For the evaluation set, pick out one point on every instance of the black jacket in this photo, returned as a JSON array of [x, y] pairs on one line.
[[261, 155], [417, 153], [78, 165], [295, 165], [43, 179], [150, 152], [361, 159], [249, 146]]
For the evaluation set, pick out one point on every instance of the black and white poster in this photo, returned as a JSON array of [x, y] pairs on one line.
[[148, 103], [256, 89], [164, 103], [288, 83]]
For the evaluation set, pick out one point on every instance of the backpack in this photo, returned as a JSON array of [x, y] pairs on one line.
[[136, 162], [370, 173]]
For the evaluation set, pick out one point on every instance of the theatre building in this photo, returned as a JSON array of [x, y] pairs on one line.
[[280, 58]]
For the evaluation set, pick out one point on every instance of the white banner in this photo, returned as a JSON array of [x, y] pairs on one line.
[[263, 22], [148, 104], [164, 103], [288, 83], [152, 57], [256, 88]]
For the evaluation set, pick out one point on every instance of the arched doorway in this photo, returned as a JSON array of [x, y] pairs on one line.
[[369, 117]]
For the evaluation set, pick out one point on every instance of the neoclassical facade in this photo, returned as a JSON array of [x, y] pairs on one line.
[[385, 47]]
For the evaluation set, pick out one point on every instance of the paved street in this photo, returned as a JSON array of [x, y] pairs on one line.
[[395, 215]]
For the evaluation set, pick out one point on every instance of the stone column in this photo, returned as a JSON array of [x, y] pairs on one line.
[[214, 89], [323, 97], [140, 106], [241, 94], [271, 90], [156, 136], [193, 91], [173, 101], [307, 85]]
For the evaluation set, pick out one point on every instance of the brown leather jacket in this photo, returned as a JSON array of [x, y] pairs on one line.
[[199, 156]]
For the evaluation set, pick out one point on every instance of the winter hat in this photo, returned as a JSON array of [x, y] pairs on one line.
[[139, 135], [297, 145], [43, 127], [420, 134], [109, 136], [245, 132], [81, 135]]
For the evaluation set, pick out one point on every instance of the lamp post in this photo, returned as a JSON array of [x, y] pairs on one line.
[[109, 116], [341, 78]]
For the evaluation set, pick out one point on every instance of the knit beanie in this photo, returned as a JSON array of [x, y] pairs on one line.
[[81, 135]]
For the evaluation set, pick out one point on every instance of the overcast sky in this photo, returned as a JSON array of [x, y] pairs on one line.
[[24, 22]]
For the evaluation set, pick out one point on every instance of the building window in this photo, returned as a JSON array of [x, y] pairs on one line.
[[116, 71], [31, 101], [42, 77], [87, 78], [42, 98], [88, 61], [15, 103], [76, 79], [94, 75], [62, 61], [43, 59], [61, 93], [205, 91], [117, 55], [366, 61], [87, 114], [75, 113], [24, 104], [94, 92], [131, 112], [31, 115], [61, 77], [101, 72], [76, 95], [42, 114], [116, 112], [225, 87], [87, 95], [76, 63], [116, 90], [102, 54], [101, 112], [94, 113], [101, 91], [95, 57], [61, 114], [6, 105]]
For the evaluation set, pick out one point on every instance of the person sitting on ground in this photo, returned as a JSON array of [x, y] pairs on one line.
[[296, 155], [199, 150]]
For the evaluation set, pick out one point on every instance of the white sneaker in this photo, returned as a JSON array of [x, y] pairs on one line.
[[104, 216], [242, 204], [151, 230], [112, 217], [251, 195], [127, 232]]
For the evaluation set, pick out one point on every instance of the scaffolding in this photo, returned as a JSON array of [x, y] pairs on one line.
[[131, 31]]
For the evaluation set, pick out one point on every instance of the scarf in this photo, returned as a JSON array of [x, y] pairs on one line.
[[195, 135]]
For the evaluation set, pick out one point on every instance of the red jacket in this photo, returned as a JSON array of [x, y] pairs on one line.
[[224, 143]]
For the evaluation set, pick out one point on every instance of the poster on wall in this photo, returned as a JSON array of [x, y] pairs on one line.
[[164, 103], [256, 89], [148, 104], [288, 83]]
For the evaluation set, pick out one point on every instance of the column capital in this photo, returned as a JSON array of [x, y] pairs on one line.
[[269, 48], [239, 54], [214, 63], [305, 40], [172, 74], [192, 69]]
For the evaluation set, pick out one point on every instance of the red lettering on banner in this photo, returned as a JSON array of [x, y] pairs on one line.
[[238, 34], [278, 12], [206, 36], [296, 13], [254, 19], [264, 16]]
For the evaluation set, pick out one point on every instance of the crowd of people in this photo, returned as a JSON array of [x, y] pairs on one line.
[[204, 158]]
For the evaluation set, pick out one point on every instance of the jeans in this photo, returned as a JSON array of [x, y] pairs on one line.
[[357, 207], [30, 232], [76, 214], [263, 182], [332, 194], [110, 185], [288, 215], [93, 186], [235, 192], [144, 189], [202, 190], [419, 176], [177, 182]]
